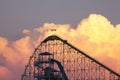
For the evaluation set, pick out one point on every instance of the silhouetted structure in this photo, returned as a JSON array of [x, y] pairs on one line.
[[56, 59]]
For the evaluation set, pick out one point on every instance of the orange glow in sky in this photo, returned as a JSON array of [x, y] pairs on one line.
[[94, 35]]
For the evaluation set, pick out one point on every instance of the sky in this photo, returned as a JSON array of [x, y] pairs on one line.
[[91, 25], [16, 15]]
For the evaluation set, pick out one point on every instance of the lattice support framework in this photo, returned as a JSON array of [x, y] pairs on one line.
[[77, 64]]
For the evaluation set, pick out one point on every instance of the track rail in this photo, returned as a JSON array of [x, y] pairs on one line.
[[85, 65]]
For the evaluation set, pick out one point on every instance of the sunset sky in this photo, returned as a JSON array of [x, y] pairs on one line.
[[91, 25]]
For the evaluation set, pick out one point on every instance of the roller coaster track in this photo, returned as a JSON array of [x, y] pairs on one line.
[[77, 64]]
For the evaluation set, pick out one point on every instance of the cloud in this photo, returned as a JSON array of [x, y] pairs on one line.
[[97, 28], [5, 74], [2, 60], [14, 55], [94, 35], [26, 31], [3, 43]]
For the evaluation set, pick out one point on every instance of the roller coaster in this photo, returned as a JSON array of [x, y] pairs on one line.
[[57, 59]]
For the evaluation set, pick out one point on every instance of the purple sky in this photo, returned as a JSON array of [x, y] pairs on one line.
[[16, 15]]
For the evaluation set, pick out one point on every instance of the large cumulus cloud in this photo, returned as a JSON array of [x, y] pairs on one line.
[[94, 35]]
